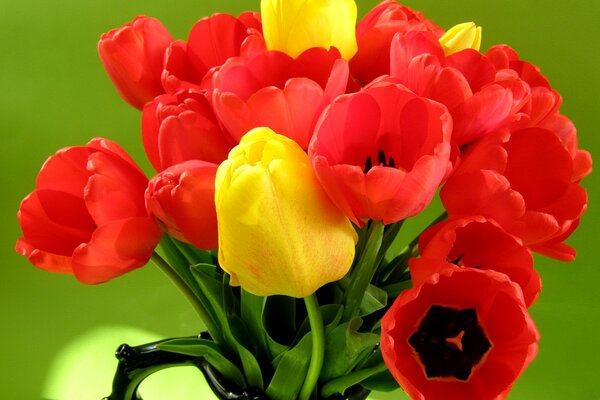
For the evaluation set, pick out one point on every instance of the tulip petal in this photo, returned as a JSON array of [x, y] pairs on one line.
[[115, 248]]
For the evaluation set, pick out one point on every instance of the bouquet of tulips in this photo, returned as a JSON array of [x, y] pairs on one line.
[[290, 146]]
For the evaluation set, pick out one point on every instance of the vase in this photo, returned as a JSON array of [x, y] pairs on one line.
[[136, 363]]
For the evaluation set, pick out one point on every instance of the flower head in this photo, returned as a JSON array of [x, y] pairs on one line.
[[381, 153], [275, 90], [475, 242], [278, 231], [211, 42], [374, 35], [527, 181], [462, 36], [133, 58], [183, 126], [462, 334], [182, 199], [86, 215], [294, 26]]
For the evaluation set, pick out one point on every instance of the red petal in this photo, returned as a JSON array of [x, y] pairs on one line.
[[213, 40], [115, 249], [41, 231], [115, 191], [476, 68], [485, 112]]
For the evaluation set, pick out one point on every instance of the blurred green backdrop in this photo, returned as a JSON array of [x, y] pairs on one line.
[[57, 336]]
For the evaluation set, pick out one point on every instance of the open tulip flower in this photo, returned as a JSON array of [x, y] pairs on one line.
[[275, 90], [86, 216], [527, 182], [212, 41], [461, 334], [289, 148], [381, 153], [475, 243]]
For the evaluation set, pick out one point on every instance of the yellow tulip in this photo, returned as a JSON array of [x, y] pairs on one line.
[[462, 36], [278, 231], [293, 26]]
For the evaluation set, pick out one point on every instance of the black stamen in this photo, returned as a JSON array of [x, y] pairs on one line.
[[457, 260], [368, 164], [381, 158], [450, 342], [392, 163]]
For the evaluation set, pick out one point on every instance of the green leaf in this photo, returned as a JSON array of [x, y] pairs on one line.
[[339, 385], [345, 348], [251, 367], [239, 333], [291, 370], [221, 298], [211, 352], [193, 254], [382, 381], [374, 298], [291, 366], [331, 314], [209, 282], [231, 304], [395, 289], [252, 312], [181, 265]]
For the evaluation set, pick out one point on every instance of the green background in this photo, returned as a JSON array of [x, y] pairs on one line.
[[57, 336]]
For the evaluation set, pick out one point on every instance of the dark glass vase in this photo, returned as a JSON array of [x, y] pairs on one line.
[[139, 362]]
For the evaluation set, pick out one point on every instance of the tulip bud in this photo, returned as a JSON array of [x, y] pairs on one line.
[[293, 26], [278, 231], [182, 200], [133, 58], [462, 36]]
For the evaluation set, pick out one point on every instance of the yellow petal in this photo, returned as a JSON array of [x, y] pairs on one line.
[[462, 36], [293, 26], [278, 231]]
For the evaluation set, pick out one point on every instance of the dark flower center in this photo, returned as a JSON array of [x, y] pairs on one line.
[[450, 342], [382, 161]]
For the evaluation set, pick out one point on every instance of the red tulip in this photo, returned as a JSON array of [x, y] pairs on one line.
[[382, 153], [540, 107], [462, 334], [274, 90], [475, 243], [526, 181], [211, 42], [133, 58], [464, 82], [86, 215], [182, 126], [182, 200], [374, 35]]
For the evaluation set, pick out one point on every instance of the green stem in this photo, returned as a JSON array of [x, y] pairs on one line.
[[192, 254], [393, 272], [318, 346], [187, 292], [413, 244], [363, 272]]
